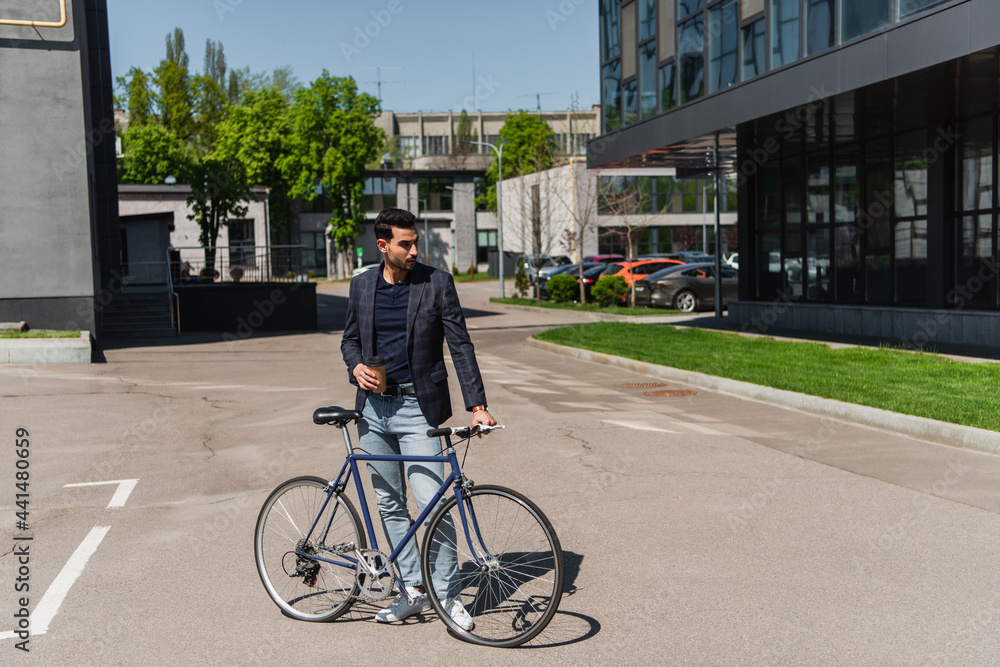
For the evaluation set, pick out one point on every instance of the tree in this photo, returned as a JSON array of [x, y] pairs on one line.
[[151, 153], [255, 133], [137, 98], [218, 192], [581, 205], [464, 134], [173, 96], [210, 98], [528, 149], [333, 136]]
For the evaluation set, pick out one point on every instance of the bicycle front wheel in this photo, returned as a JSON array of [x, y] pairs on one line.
[[305, 551], [501, 585]]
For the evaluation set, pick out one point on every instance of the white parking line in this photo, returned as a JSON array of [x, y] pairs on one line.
[[48, 606], [125, 487], [637, 426]]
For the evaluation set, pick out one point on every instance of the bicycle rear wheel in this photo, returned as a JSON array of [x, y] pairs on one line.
[[306, 588], [516, 592]]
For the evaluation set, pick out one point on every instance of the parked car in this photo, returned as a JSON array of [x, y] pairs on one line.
[[366, 267], [687, 256], [687, 288], [604, 258], [639, 268], [571, 269], [733, 260], [533, 264]]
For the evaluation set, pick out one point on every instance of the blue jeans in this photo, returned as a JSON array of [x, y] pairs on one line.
[[394, 425]]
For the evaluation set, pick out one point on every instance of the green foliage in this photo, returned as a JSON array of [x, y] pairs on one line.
[[464, 133], [528, 149], [562, 288], [174, 95], [137, 98], [152, 153], [333, 136], [218, 192], [609, 290], [521, 284], [254, 133]]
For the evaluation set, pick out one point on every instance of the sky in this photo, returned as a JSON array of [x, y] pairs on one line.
[[431, 55]]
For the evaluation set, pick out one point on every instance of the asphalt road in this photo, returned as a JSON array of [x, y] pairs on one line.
[[700, 529]]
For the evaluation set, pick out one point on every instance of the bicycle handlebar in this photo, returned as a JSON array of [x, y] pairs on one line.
[[462, 431]]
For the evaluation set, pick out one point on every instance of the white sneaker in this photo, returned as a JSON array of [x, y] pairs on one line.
[[456, 610], [403, 608]]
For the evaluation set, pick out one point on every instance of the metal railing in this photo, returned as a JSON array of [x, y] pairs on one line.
[[235, 264]]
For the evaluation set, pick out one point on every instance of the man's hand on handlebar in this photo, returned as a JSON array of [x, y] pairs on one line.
[[482, 417]]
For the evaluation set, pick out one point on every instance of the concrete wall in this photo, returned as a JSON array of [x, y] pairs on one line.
[[56, 223]]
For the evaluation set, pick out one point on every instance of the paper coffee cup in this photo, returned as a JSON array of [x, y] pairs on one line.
[[377, 365]]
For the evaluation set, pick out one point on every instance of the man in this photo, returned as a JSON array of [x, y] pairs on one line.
[[403, 312]]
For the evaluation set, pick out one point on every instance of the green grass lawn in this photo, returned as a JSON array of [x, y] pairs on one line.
[[588, 308], [42, 333], [919, 384]]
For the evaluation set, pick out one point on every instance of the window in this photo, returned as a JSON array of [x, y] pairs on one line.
[[408, 146], [437, 145], [819, 25], [911, 7], [481, 188], [784, 32], [379, 193], [486, 240], [754, 63], [630, 99], [611, 96], [314, 253], [647, 19], [241, 243], [722, 45], [610, 29], [647, 79], [668, 87], [435, 193], [692, 59], [860, 17], [685, 7]]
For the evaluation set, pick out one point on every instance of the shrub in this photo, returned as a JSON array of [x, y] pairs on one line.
[[521, 281], [562, 288], [609, 290], [312, 275], [454, 270]]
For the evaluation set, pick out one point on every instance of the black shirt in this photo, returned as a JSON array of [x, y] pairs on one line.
[[391, 303]]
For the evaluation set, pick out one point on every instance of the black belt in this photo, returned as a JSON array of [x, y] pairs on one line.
[[400, 390]]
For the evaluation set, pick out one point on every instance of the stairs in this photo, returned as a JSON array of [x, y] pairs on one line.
[[134, 314]]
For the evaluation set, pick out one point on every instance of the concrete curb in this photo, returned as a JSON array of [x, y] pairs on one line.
[[597, 317], [46, 350], [965, 437]]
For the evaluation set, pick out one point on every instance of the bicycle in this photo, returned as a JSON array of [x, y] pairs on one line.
[[505, 565]]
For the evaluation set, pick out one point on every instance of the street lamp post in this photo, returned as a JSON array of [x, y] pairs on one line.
[[704, 220], [498, 149]]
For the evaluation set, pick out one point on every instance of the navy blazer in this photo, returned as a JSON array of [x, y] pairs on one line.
[[433, 315]]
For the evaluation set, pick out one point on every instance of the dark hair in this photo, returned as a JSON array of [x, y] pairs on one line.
[[393, 218]]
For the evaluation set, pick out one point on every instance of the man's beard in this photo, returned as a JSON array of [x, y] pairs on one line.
[[400, 265]]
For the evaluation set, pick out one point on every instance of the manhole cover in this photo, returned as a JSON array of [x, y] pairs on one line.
[[640, 385], [671, 392]]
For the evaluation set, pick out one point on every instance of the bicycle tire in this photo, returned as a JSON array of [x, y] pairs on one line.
[[283, 522], [512, 601]]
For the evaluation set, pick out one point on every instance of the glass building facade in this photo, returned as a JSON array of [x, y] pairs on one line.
[[863, 136], [658, 54]]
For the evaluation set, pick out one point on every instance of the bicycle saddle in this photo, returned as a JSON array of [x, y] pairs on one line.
[[335, 415]]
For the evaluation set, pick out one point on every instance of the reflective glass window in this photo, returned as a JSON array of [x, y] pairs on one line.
[[784, 32], [611, 96], [976, 277], [911, 7], [911, 262], [723, 45], [818, 264], [976, 171], [647, 19], [685, 7], [819, 26], [910, 177], [647, 79], [754, 62], [610, 29], [860, 17], [630, 102], [692, 59], [818, 190], [668, 86]]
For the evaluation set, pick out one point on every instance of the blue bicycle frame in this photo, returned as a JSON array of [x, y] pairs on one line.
[[350, 468]]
